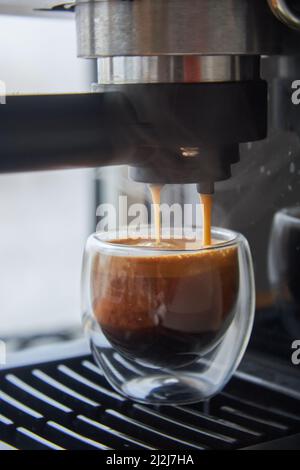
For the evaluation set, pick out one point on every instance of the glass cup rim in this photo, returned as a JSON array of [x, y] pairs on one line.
[[291, 212], [103, 240]]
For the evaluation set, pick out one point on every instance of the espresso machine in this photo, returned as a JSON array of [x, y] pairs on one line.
[[197, 62], [187, 92]]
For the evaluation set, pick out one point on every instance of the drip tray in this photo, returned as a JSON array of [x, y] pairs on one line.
[[68, 404]]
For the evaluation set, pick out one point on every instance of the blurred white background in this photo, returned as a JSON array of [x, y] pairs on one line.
[[45, 217]]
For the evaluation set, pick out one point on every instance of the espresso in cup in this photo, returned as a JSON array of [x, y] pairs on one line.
[[167, 305]]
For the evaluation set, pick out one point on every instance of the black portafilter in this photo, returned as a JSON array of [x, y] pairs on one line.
[[203, 165], [166, 132], [196, 129]]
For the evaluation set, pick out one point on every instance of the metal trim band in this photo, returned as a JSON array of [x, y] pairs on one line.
[[176, 69]]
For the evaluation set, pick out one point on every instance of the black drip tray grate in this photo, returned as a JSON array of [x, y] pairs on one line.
[[69, 405]]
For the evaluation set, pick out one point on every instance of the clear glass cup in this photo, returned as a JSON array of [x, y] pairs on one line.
[[284, 267], [168, 325]]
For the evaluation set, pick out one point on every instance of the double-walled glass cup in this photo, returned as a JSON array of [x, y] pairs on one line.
[[284, 267], [168, 324]]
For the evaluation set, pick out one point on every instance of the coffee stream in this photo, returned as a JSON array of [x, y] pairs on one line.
[[155, 190], [205, 201]]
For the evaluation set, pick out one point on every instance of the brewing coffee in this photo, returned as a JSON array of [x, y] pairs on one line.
[[155, 191], [165, 308], [206, 201]]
